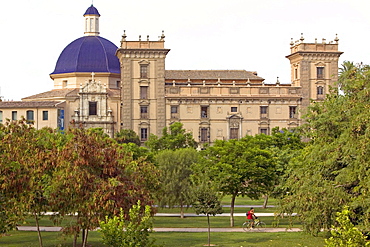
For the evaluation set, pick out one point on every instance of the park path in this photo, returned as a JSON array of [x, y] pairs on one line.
[[169, 229]]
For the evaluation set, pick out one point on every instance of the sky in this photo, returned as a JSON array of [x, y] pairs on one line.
[[253, 35]]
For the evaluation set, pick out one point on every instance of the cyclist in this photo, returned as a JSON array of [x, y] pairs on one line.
[[251, 217]]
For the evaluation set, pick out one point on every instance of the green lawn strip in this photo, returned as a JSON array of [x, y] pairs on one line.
[[226, 200], [235, 239], [169, 239], [218, 221], [46, 221], [50, 239]]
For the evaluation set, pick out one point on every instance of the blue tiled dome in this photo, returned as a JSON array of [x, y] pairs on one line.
[[88, 54], [92, 11]]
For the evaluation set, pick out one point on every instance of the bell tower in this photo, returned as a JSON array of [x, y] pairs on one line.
[[314, 67], [143, 85]]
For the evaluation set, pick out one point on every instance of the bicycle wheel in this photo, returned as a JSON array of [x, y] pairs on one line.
[[246, 226], [261, 225]]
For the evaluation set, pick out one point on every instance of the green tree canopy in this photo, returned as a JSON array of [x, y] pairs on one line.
[[175, 172], [333, 170], [239, 168], [172, 138]]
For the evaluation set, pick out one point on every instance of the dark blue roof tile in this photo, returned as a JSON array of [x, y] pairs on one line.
[[92, 11], [88, 54]]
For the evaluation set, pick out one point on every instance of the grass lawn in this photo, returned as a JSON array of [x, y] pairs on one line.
[[219, 221], [171, 239]]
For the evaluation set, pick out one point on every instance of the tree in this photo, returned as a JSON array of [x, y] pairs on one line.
[[127, 136], [175, 168], [206, 201], [94, 177], [239, 167], [345, 234], [26, 167], [173, 138], [132, 232], [333, 169]]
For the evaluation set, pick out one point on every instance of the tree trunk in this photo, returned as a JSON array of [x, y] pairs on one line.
[[182, 211], [38, 229], [232, 205], [265, 202], [85, 233], [209, 231], [75, 240]]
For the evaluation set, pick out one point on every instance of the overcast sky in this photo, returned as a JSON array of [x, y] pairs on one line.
[[202, 34]]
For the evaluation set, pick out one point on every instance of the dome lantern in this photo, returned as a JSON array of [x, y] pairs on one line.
[[92, 21]]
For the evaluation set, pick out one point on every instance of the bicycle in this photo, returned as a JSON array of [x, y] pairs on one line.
[[257, 225]]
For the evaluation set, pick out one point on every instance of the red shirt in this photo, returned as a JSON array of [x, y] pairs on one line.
[[250, 215]]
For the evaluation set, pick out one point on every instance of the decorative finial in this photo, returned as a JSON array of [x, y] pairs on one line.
[[323, 41], [248, 81], [189, 82], [147, 38], [234, 83], [124, 36], [162, 36], [301, 39], [139, 37], [173, 83], [92, 76], [336, 38], [277, 81], [315, 40], [291, 42], [204, 83]]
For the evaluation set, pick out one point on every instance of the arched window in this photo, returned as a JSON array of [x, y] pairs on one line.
[[1, 116], [320, 90]]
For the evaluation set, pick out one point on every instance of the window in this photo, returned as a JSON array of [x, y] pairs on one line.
[[144, 112], [143, 134], [118, 84], [292, 112], [234, 133], [204, 111], [93, 105], [143, 92], [14, 115], [320, 90], [204, 136], [65, 83], [234, 109], [264, 131], [1, 116], [45, 115], [29, 116], [143, 71], [320, 72], [174, 111], [295, 74], [263, 111]]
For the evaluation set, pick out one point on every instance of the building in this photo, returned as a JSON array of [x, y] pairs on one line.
[[97, 84]]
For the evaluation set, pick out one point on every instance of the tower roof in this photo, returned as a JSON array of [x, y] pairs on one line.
[[88, 54], [92, 11]]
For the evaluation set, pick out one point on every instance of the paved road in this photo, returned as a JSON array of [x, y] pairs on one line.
[[267, 229]]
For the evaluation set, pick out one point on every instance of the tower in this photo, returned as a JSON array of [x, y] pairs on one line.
[[314, 68], [143, 85]]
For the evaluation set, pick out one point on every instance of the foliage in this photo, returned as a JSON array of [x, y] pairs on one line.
[[333, 169], [175, 168], [27, 158], [127, 136], [174, 138], [345, 234], [238, 167], [134, 232], [95, 176]]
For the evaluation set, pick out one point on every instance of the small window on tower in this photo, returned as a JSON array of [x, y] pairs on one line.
[[143, 71], [320, 90], [320, 72]]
